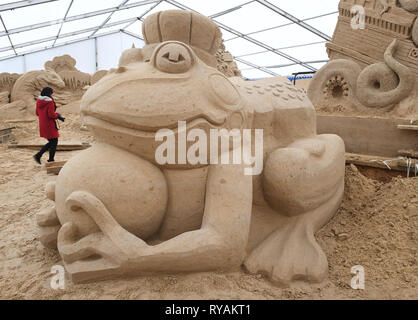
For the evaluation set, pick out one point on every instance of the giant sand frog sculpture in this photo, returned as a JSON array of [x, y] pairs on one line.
[[118, 212]]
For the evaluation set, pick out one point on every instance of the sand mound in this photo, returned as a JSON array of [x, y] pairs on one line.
[[376, 227]]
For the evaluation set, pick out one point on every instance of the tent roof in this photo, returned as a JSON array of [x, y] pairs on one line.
[[266, 38]]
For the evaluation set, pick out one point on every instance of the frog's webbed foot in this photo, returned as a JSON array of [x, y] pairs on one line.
[[288, 254], [48, 222], [303, 183]]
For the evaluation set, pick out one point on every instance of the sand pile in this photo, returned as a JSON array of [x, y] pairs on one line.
[[376, 227]]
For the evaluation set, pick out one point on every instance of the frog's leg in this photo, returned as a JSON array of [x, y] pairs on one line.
[[304, 183], [219, 244], [48, 222]]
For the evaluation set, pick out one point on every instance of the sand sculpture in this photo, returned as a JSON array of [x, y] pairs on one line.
[[117, 212], [26, 89], [64, 66], [374, 70], [75, 80], [7, 81], [226, 63], [68, 83], [97, 76]]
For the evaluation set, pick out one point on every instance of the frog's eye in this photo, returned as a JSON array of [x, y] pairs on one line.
[[225, 91], [173, 57]]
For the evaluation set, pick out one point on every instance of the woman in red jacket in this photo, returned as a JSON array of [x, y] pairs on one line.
[[46, 111]]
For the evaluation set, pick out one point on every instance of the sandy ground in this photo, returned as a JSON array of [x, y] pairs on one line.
[[376, 227]]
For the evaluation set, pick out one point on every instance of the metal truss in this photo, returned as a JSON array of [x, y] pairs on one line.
[[22, 4], [77, 17], [264, 48], [294, 19]]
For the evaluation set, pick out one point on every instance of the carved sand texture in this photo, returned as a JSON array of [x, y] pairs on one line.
[[372, 71]]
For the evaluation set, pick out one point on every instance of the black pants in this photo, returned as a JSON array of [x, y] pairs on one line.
[[52, 147]]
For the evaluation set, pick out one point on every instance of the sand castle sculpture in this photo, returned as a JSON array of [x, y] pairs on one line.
[[375, 69], [75, 80], [118, 212]]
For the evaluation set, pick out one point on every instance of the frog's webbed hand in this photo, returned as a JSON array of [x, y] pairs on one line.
[[113, 242], [72, 250]]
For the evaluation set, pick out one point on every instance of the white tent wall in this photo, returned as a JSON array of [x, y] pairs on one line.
[[109, 50], [13, 65], [83, 52]]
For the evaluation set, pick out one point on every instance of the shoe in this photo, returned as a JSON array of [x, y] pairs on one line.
[[37, 158], [51, 161]]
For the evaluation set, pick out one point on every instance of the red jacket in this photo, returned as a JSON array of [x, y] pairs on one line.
[[45, 110]]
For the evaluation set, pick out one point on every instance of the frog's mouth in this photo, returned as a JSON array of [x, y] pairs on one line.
[[110, 124]]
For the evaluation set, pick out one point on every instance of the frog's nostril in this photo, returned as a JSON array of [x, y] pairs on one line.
[[173, 58]]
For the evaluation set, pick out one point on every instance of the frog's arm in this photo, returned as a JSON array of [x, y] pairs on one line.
[[219, 244]]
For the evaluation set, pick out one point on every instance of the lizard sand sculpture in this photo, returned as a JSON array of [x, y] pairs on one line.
[[29, 85], [118, 212]]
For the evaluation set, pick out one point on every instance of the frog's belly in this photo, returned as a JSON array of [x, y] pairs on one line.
[[133, 190], [186, 204]]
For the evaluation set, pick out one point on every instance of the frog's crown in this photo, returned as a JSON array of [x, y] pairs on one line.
[[188, 27]]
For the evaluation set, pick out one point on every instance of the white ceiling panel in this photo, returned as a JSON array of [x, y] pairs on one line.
[[83, 24], [251, 17], [85, 6], [35, 47], [241, 46], [130, 13], [288, 71], [4, 54], [135, 28], [213, 6], [308, 53], [287, 36], [73, 38], [325, 24], [255, 74], [35, 14], [4, 42], [37, 34], [266, 59], [303, 9]]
